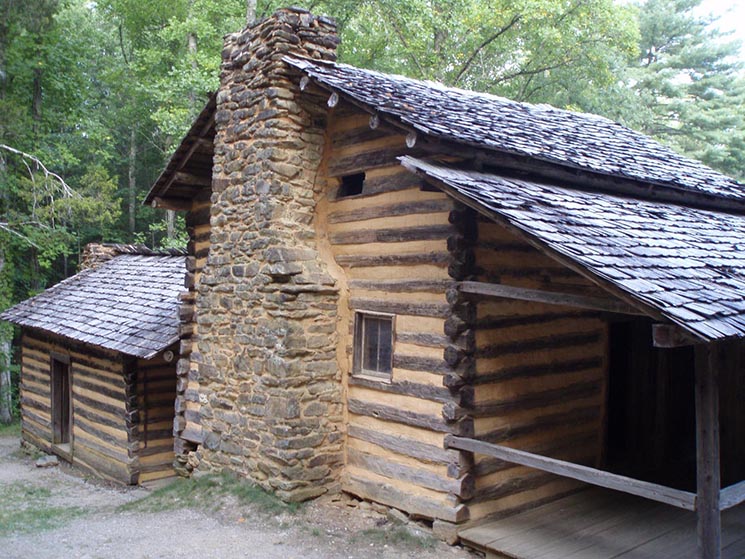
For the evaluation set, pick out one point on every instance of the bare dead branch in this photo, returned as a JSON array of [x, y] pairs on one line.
[[493, 37]]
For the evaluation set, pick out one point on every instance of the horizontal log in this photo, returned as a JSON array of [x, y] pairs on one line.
[[537, 344], [513, 486], [652, 491], [557, 447], [405, 446], [462, 487], [535, 400], [548, 297], [391, 210], [401, 286], [396, 415], [424, 364], [543, 319], [732, 496], [435, 310], [365, 161], [542, 370], [391, 235], [440, 259], [390, 183], [422, 339], [588, 415], [406, 388], [394, 497]]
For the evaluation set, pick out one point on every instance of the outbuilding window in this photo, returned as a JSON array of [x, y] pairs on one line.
[[373, 345]]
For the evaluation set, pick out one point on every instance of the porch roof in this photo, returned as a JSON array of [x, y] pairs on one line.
[[683, 264], [128, 304]]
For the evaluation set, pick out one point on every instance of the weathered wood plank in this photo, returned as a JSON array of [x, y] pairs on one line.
[[391, 210], [709, 527], [404, 446], [440, 259], [549, 297], [392, 496], [393, 235], [653, 491], [462, 487]]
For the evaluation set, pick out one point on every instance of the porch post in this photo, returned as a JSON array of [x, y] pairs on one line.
[[707, 452]]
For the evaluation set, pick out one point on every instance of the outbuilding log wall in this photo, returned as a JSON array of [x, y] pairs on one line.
[[100, 435], [540, 374], [121, 408], [388, 250]]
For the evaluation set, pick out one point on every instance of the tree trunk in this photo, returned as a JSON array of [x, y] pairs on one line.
[[132, 181], [6, 399], [6, 402], [250, 11]]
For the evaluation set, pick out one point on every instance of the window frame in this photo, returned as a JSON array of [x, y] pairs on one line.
[[358, 340]]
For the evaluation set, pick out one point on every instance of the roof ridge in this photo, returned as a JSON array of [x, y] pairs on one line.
[[143, 250]]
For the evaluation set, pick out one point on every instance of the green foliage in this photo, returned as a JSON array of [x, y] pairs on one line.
[[689, 80], [10, 429], [210, 493], [26, 508]]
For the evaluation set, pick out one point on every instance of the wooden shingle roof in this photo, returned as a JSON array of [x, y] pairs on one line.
[[564, 138], [128, 304], [687, 264]]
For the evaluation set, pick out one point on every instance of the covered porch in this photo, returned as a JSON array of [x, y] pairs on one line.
[[603, 524]]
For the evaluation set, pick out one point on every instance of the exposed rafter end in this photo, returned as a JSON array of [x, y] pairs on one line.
[[333, 100], [670, 336], [177, 204]]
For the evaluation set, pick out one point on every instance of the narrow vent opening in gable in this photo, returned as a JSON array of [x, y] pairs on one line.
[[351, 185]]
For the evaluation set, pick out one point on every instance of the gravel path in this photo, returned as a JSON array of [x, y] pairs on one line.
[[69, 515]]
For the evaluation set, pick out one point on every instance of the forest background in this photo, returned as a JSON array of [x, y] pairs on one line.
[[96, 94]]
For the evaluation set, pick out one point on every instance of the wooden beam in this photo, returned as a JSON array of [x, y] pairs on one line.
[[178, 204], [548, 297], [732, 496], [190, 179], [707, 452], [652, 491], [668, 336]]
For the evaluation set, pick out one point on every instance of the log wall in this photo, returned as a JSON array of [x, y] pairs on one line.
[[186, 428], [539, 378], [102, 391], [388, 249], [156, 393]]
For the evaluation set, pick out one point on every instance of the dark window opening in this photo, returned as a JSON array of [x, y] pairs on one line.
[[60, 401], [351, 185], [373, 345]]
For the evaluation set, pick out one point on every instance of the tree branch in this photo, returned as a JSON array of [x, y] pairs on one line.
[[483, 45]]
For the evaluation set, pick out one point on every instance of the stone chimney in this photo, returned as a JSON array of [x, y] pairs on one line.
[[269, 397], [95, 254]]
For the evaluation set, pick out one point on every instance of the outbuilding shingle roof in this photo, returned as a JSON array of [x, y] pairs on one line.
[[687, 263], [128, 304], [566, 138]]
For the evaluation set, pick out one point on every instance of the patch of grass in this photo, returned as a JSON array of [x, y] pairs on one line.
[[206, 493], [398, 536], [10, 429], [25, 508]]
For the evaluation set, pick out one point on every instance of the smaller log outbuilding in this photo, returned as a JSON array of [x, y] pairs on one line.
[[98, 374]]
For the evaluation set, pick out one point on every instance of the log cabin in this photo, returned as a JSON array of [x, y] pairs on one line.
[[522, 323], [98, 363]]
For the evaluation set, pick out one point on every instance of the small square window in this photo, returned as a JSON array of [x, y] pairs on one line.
[[373, 345], [351, 185]]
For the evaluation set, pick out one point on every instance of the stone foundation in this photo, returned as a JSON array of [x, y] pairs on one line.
[[270, 397]]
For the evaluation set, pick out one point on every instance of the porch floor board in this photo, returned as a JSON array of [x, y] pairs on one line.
[[602, 524]]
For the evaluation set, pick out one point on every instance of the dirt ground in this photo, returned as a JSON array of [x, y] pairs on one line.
[[59, 512]]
